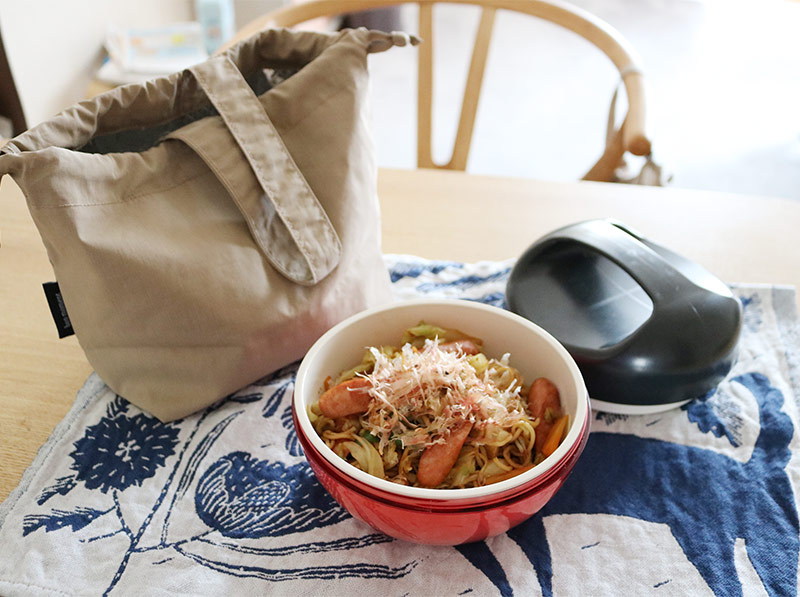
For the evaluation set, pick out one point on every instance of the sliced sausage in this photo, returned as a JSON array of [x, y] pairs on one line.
[[464, 346], [350, 397], [437, 460], [543, 395]]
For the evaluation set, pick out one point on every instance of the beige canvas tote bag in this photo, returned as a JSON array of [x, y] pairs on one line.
[[205, 228]]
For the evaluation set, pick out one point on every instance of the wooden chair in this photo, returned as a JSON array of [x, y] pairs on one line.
[[630, 136]]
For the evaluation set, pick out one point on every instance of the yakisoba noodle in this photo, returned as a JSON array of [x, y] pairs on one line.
[[437, 412]]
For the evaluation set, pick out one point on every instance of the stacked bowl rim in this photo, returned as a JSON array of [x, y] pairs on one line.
[[394, 318]]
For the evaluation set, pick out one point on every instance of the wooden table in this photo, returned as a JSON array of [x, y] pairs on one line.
[[432, 214]]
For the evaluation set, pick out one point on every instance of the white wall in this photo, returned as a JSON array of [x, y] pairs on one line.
[[249, 10], [55, 46]]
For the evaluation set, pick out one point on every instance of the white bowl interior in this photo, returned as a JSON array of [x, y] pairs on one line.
[[534, 352]]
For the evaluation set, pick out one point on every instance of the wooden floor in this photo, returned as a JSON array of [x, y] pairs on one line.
[[723, 83]]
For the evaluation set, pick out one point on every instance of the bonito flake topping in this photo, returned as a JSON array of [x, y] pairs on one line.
[[419, 393]]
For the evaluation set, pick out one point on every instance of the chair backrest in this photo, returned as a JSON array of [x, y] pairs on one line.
[[630, 136]]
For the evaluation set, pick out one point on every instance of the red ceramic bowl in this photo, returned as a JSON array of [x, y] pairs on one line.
[[442, 516]]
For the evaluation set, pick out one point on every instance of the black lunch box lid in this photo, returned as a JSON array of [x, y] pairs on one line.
[[649, 329]]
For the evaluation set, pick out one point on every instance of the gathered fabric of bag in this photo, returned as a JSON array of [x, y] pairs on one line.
[[207, 227]]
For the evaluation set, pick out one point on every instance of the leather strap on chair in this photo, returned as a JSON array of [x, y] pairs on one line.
[[611, 167]]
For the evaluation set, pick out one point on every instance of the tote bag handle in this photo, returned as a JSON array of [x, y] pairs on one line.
[[284, 216]]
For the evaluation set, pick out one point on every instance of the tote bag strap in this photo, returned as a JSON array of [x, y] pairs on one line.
[[285, 218]]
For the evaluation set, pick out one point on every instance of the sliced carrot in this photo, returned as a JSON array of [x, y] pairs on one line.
[[555, 435]]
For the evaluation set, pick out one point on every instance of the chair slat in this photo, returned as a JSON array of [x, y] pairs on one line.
[[632, 137], [425, 88], [472, 90]]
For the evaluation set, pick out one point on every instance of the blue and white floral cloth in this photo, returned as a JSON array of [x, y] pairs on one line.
[[700, 500]]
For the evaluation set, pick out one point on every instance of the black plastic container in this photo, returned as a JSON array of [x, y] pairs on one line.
[[649, 329]]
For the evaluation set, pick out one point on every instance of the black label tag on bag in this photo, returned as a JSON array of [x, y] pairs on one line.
[[58, 309]]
